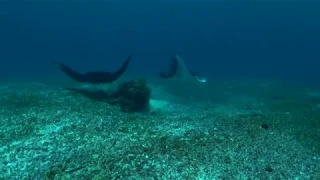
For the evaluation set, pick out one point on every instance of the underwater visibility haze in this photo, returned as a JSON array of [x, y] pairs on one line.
[[225, 38], [214, 89]]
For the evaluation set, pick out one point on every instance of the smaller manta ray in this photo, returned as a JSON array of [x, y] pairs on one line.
[[182, 83], [179, 72], [94, 77]]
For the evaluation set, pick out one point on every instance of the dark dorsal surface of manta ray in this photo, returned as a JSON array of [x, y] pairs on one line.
[[179, 71], [94, 77]]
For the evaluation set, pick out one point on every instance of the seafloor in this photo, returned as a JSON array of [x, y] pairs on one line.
[[226, 130]]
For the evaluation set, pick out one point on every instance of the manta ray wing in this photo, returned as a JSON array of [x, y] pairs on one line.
[[182, 73]]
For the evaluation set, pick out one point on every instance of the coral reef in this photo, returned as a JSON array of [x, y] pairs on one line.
[[132, 96]]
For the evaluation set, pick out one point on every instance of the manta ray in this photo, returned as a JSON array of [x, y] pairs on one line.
[[93, 77], [179, 72], [181, 82]]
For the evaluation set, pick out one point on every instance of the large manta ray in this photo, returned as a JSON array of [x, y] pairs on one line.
[[93, 77], [179, 72]]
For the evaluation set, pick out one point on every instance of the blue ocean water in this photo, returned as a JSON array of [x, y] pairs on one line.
[[273, 39], [240, 125]]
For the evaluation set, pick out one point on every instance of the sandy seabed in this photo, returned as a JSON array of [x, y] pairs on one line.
[[226, 130]]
